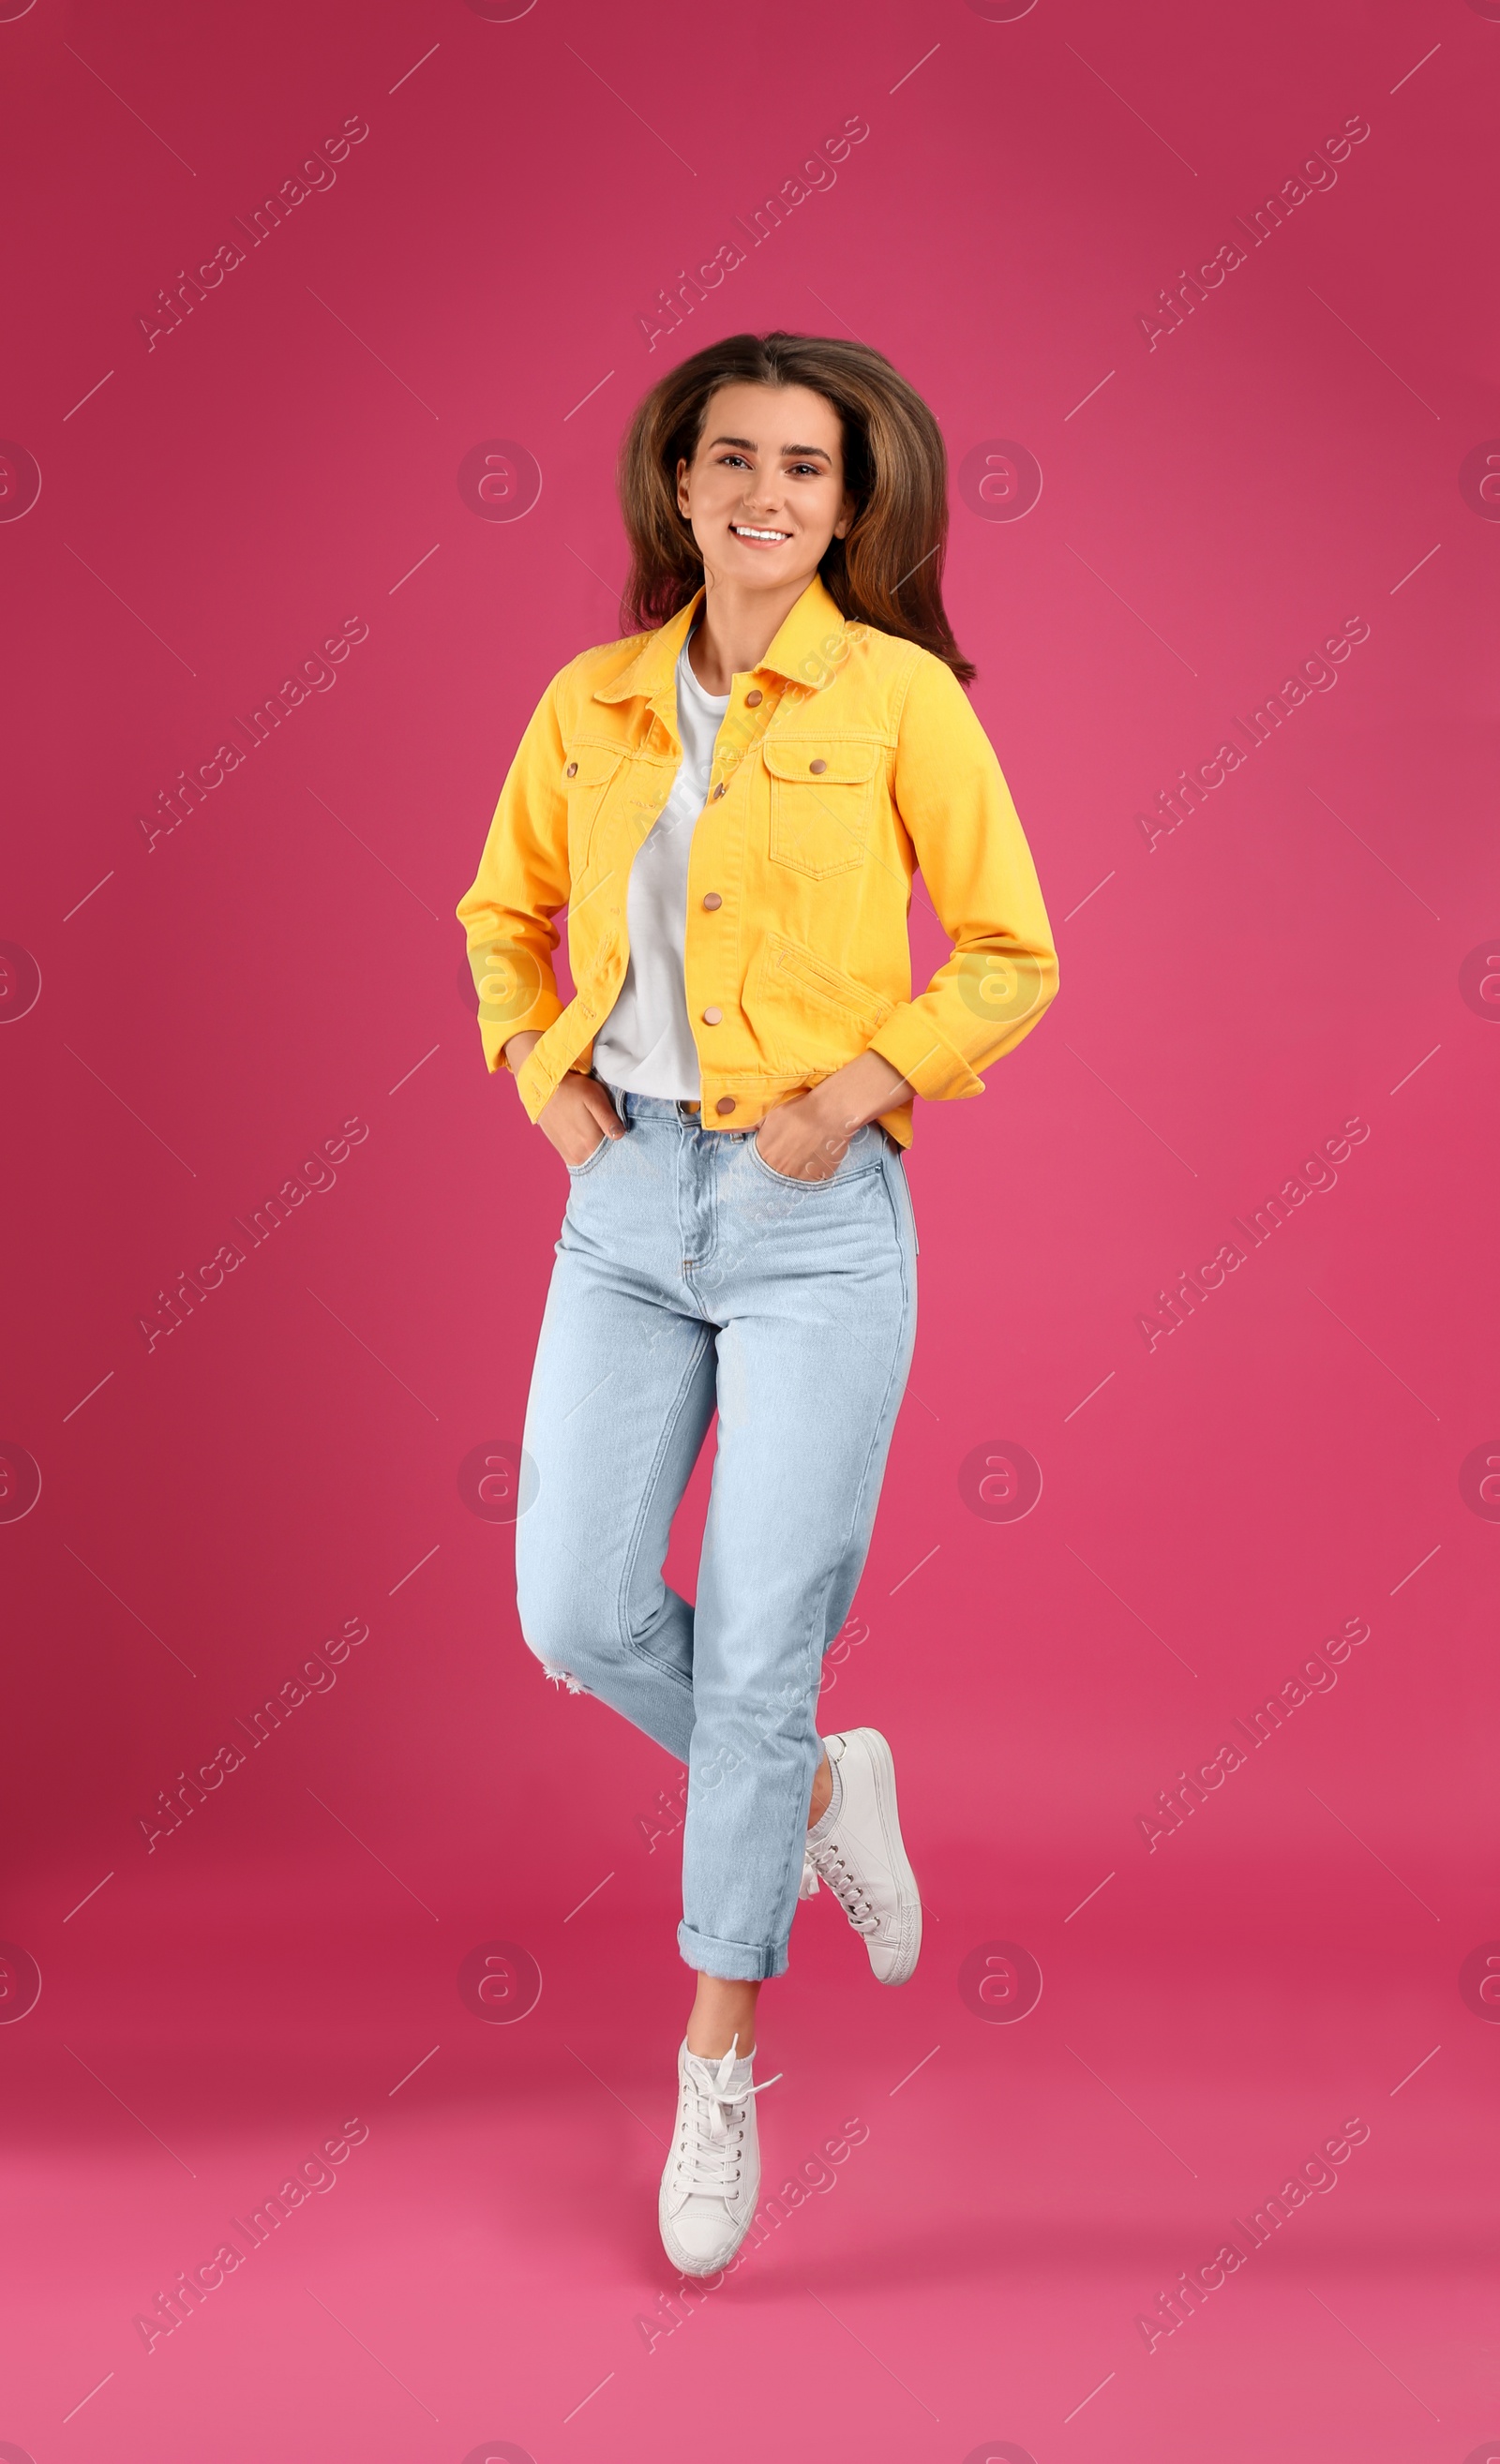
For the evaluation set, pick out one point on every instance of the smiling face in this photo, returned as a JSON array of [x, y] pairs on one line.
[[764, 492]]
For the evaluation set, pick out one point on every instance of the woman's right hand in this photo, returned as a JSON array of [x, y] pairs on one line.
[[576, 1114]]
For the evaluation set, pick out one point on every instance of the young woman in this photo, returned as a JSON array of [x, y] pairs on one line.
[[731, 804]]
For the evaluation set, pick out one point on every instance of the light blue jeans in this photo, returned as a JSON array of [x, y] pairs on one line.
[[690, 1275]]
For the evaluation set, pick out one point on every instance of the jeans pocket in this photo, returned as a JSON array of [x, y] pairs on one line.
[[576, 1170], [860, 1154]]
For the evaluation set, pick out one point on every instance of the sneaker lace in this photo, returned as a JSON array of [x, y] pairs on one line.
[[713, 2128], [827, 1860]]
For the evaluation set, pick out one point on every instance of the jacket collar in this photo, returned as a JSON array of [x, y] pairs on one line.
[[807, 650]]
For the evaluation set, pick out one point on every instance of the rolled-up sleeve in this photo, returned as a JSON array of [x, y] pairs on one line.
[[521, 883], [956, 810]]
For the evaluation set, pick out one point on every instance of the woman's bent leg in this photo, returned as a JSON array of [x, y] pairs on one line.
[[816, 1290], [621, 1395]]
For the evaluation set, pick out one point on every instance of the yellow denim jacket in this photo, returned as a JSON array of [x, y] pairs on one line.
[[845, 761]]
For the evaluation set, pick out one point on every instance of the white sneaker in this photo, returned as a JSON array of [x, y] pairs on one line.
[[861, 1858], [713, 2178]]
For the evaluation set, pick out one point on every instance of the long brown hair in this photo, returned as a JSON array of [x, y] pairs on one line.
[[888, 572]]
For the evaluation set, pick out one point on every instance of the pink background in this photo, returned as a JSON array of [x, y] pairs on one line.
[[211, 1006]]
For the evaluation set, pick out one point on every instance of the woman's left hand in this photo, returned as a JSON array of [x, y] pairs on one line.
[[806, 1137], [797, 1139]]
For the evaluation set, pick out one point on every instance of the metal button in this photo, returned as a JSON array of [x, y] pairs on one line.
[[712, 1017], [711, 898], [571, 772], [718, 792], [817, 767], [752, 701], [725, 1104]]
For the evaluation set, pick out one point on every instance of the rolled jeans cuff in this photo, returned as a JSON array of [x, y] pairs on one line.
[[740, 1963]]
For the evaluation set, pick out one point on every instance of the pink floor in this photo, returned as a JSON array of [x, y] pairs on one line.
[[976, 2209], [966, 2272]]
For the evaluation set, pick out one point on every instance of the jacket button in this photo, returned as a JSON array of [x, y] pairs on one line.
[[571, 772], [752, 701], [712, 1017], [816, 767], [725, 1104], [718, 792], [711, 898]]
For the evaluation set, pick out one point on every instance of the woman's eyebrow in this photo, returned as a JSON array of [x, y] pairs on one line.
[[747, 444]]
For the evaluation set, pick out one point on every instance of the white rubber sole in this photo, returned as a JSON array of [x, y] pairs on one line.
[[909, 1903]]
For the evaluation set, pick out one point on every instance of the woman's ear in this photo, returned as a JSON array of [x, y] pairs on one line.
[[682, 489]]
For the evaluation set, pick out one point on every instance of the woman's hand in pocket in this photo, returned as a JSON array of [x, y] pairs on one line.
[[800, 1139], [805, 1138], [577, 1116]]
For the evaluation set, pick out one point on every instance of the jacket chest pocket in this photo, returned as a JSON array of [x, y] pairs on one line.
[[822, 797], [586, 777]]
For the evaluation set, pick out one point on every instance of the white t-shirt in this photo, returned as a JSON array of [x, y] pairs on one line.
[[645, 1042]]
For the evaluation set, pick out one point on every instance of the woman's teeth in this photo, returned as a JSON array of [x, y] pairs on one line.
[[742, 530]]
